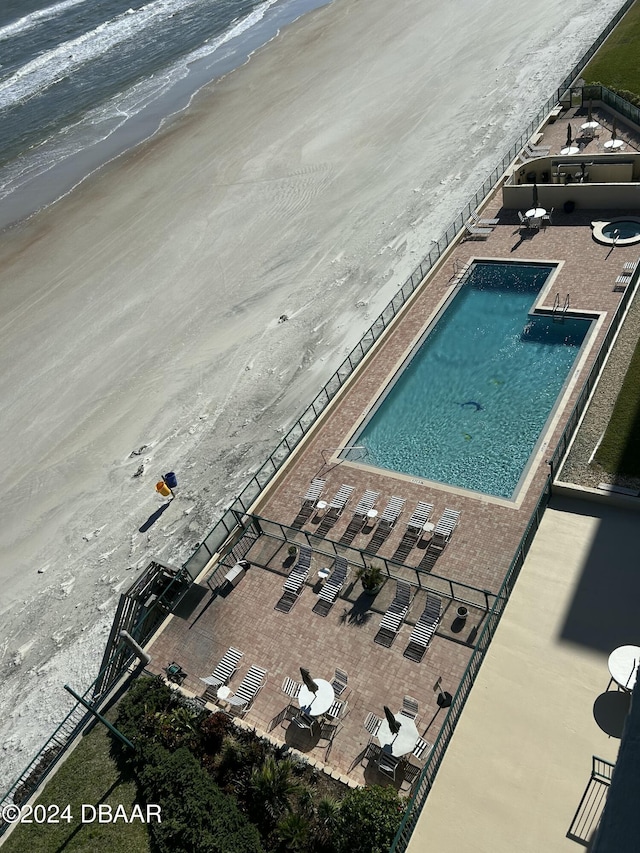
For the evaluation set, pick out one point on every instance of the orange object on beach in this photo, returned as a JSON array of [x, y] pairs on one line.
[[162, 487]]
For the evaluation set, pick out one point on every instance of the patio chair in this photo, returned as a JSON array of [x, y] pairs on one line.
[[447, 523], [327, 732], [339, 682], [525, 222], [337, 710], [332, 586], [622, 282], [291, 687], [313, 492], [424, 628], [483, 223], [547, 219], [339, 501], [409, 708], [372, 724], [304, 720], [394, 616], [422, 749], [474, 232], [419, 517], [391, 513], [224, 669], [410, 773], [248, 690], [388, 764], [630, 267]]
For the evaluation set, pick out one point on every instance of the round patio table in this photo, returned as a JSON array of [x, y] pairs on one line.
[[589, 125], [317, 703], [535, 213], [613, 144], [570, 149], [623, 665], [403, 742]]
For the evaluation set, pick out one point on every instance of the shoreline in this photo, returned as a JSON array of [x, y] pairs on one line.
[[141, 311], [67, 174]]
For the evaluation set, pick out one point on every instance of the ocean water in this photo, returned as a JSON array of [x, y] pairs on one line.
[[81, 81]]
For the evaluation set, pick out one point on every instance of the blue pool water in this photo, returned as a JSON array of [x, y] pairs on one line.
[[467, 409]]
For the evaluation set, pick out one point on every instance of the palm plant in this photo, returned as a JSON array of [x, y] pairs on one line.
[[293, 833], [272, 787], [372, 577]]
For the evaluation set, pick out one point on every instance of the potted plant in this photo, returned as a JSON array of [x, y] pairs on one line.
[[372, 578], [292, 552]]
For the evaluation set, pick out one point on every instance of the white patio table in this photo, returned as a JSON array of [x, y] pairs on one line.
[[317, 703], [623, 665], [403, 742]]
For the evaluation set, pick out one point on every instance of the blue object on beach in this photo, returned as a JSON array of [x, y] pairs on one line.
[[171, 480], [471, 403]]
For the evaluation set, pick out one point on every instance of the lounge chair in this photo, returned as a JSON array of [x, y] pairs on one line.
[[424, 628], [391, 513], [294, 584], [446, 525], [366, 503], [394, 617], [483, 223], [419, 517], [474, 231], [339, 501], [249, 688], [313, 492], [224, 669], [622, 282], [332, 586], [630, 267]]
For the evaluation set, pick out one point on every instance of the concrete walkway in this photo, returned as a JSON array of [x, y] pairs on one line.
[[520, 759]]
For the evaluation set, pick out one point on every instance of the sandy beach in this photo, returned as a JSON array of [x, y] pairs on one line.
[[141, 314]]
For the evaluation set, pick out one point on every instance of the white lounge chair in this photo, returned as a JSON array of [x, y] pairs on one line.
[[483, 223], [313, 492], [366, 503], [419, 517], [446, 525], [474, 231], [424, 628], [394, 616], [332, 586], [391, 512], [224, 669], [248, 689], [340, 500]]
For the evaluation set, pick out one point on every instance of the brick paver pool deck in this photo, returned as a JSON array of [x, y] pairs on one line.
[[480, 550]]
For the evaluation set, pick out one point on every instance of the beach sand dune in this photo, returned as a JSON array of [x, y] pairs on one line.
[[140, 316]]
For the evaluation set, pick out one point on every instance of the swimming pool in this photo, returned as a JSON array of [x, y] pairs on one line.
[[469, 404]]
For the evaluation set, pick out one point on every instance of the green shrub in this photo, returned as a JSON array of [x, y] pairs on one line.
[[196, 814], [369, 819]]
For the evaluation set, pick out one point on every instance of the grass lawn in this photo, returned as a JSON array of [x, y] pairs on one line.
[[619, 451], [616, 63], [88, 776]]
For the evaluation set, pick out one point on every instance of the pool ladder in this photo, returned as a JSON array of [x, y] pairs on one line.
[[558, 314]]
